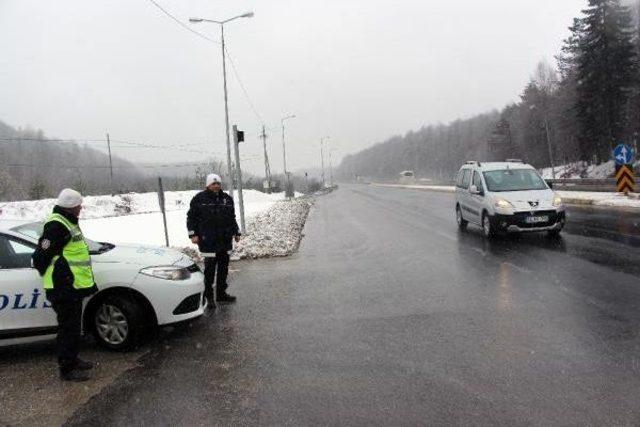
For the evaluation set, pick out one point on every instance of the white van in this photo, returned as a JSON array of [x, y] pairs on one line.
[[506, 196]]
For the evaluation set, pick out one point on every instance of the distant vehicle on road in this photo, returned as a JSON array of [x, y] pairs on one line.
[[140, 287], [407, 177], [506, 197]]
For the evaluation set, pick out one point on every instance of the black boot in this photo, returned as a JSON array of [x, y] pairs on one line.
[[225, 298], [74, 375], [83, 365]]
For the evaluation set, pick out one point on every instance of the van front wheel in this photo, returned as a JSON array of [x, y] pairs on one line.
[[462, 223], [488, 230]]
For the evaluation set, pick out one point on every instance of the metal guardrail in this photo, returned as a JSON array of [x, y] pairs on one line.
[[586, 184]]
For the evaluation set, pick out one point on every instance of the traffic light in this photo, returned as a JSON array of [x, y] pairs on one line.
[[240, 135]]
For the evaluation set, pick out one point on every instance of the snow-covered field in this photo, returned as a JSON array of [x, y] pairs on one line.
[[135, 218]]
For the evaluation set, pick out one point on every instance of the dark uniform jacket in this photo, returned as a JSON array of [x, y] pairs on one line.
[[212, 217], [55, 237]]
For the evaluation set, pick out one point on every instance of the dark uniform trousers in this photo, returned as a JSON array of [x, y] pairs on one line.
[[69, 315], [220, 263]]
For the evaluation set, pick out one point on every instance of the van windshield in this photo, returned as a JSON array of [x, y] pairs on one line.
[[514, 180]]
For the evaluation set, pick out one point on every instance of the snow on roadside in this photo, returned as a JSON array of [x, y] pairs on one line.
[[599, 199], [128, 204], [579, 170], [570, 197], [135, 218]]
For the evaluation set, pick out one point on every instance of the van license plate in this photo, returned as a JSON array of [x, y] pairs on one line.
[[536, 219]]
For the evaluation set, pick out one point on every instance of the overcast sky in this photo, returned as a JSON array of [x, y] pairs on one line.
[[356, 70]]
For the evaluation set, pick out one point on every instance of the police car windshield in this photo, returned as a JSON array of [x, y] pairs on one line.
[[33, 231], [514, 180]]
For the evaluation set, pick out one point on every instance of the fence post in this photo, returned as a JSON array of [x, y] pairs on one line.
[[163, 210]]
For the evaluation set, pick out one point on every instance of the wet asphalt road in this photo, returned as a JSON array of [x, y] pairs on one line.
[[390, 316]]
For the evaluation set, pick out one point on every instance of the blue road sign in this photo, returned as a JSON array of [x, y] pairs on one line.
[[623, 154]]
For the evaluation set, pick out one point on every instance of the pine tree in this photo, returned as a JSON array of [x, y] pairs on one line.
[[605, 73]]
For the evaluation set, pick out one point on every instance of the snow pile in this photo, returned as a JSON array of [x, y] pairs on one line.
[[274, 233]]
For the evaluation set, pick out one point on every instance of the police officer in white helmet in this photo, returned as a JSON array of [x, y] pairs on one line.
[[211, 222], [62, 258]]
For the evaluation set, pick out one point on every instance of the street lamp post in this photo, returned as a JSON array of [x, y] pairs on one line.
[[322, 156], [284, 153], [330, 167], [224, 78]]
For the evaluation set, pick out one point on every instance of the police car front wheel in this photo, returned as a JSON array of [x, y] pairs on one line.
[[118, 322]]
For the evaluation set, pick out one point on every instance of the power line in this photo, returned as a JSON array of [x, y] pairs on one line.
[[233, 65], [244, 90], [67, 166], [182, 24], [130, 144]]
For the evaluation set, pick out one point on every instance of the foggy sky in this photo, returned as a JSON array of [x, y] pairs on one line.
[[357, 70]]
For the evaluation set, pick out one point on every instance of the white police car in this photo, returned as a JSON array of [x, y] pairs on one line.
[[507, 196], [139, 288]]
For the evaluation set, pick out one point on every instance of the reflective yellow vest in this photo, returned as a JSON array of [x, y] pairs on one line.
[[76, 252]]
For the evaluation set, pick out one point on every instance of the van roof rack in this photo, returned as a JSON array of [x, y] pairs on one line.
[[472, 162], [514, 161]]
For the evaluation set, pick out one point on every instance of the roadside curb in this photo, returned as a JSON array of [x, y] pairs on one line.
[[578, 202]]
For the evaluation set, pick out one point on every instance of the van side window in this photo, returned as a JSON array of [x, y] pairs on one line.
[[477, 181], [466, 177]]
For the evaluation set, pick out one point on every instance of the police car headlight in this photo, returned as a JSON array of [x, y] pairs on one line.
[[557, 201], [167, 273], [502, 204]]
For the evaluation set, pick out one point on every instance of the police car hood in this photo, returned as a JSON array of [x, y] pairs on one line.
[[144, 256]]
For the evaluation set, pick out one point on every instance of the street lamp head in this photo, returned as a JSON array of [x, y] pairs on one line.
[[247, 15], [195, 20]]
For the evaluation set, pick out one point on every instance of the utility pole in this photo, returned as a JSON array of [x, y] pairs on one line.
[[110, 165], [238, 137], [322, 160], [267, 169], [284, 158], [322, 157], [549, 147], [330, 169]]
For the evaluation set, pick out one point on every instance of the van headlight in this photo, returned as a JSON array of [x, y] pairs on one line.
[[502, 204], [557, 201], [167, 273]]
